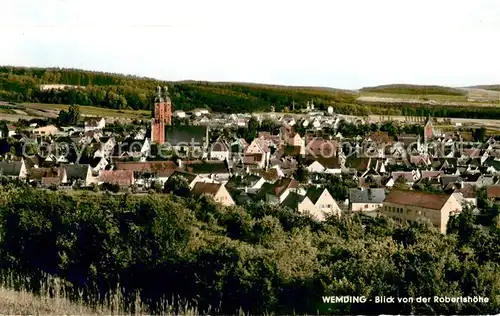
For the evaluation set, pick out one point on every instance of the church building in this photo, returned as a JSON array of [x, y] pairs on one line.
[[162, 116]]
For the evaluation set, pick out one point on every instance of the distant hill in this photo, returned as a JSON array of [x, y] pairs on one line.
[[273, 86], [492, 87], [119, 91], [414, 89]]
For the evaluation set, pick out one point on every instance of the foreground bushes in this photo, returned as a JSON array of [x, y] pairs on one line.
[[260, 259]]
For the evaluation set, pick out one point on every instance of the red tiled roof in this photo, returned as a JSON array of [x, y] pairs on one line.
[[419, 199], [284, 184], [150, 166], [432, 174], [220, 146], [269, 175], [121, 177], [252, 159], [493, 192], [323, 147], [264, 135], [468, 192], [467, 136], [206, 188], [329, 163], [381, 137], [40, 173], [48, 181], [472, 152]]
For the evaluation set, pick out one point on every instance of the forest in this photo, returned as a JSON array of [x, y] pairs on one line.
[[256, 259], [493, 87], [415, 90], [116, 91], [122, 92]]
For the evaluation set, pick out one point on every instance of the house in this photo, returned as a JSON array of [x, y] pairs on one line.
[[11, 130], [277, 192], [316, 202], [187, 139], [46, 130], [220, 151], [140, 134], [124, 178], [411, 205], [213, 170], [216, 190], [466, 194], [98, 164], [38, 174], [238, 147], [79, 172], [192, 179], [366, 200], [325, 165], [409, 177], [493, 192], [179, 114], [150, 167], [382, 138], [147, 171], [259, 147], [295, 141], [256, 160], [131, 147], [270, 175], [13, 169], [200, 112], [319, 147], [249, 183], [92, 124], [52, 181]]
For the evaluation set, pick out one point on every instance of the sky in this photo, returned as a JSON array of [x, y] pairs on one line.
[[343, 44]]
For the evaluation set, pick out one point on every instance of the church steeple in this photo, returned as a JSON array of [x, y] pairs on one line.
[[162, 116], [428, 129], [158, 98], [167, 95]]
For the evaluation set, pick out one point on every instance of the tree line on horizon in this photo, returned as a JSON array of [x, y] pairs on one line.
[[19, 84]]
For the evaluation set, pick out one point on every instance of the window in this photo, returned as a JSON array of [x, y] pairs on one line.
[[366, 205]]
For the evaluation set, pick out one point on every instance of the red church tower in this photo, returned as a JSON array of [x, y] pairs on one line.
[[162, 117]]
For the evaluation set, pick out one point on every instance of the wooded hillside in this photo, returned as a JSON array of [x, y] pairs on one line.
[[117, 91], [414, 89], [121, 92]]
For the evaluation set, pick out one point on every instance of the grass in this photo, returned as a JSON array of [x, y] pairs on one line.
[[91, 110], [6, 110], [433, 97], [53, 300]]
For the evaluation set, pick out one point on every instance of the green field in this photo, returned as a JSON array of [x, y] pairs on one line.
[[423, 97], [90, 111]]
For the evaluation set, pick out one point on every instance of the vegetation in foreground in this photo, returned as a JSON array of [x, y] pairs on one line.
[[53, 300], [259, 258]]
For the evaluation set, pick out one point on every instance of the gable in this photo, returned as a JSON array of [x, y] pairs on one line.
[[254, 148], [306, 204], [316, 166], [325, 198]]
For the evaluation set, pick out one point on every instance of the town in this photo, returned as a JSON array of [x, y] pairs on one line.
[[317, 163]]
